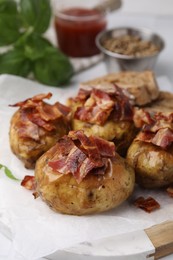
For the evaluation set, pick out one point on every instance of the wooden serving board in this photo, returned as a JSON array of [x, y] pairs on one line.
[[161, 236]]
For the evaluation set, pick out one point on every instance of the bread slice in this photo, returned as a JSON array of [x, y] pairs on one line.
[[164, 103], [142, 85]]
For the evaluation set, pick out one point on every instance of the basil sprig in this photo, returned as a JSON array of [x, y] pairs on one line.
[[54, 71], [22, 24], [36, 13], [7, 172], [8, 7], [14, 62], [9, 28]]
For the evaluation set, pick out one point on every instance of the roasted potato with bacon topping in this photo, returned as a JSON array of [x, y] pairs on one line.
[[83, 175], [104, 111], [151, 153], [36, 126]]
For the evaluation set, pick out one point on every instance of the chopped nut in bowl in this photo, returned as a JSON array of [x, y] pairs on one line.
[[129, 48]]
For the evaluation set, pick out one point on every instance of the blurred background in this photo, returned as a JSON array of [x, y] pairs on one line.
[[158, 7], [156, 15]]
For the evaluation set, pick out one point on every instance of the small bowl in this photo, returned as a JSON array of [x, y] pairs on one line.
[[120, 62]]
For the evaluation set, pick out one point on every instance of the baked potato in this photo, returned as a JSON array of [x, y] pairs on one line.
[[104, 111], [151, 152], [164, 103], [83, 175], [35, 127]]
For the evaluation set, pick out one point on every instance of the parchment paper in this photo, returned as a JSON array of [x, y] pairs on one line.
[[37, 231]]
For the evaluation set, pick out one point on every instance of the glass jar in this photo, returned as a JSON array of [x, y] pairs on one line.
[[76, 30]]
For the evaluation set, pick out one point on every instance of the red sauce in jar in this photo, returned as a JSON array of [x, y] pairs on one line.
[[77, 29]]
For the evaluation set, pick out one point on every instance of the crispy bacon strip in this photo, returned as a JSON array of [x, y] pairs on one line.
[[32, 102], [105, 150], [36, 118], [86, 145], [82, 155], [170, 191], [97, 108], [83, 94], [36, 113], [94, 146], [65, 145], [168, 118], [142, 118], [147, 205], [62, 108], [99, 105], [163, 138], [28, 182], [48, 112], [157, 129], [27, 129], [123, 109]]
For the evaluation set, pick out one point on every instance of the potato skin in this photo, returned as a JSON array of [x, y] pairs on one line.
[[29, 150], [153, 165], [94, 194]]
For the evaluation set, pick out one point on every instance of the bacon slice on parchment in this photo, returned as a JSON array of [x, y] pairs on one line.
[[149, 204], [28, 182]]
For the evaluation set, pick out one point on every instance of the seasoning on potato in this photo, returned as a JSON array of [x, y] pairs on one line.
[[130, 45], [83, 175], [36, 126]]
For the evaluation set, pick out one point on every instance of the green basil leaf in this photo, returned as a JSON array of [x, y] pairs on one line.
[[35, 47], [21, 41], [8, 173], [14, 62], [9, 29], [54, 68], [8, 7], [36, 14]]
